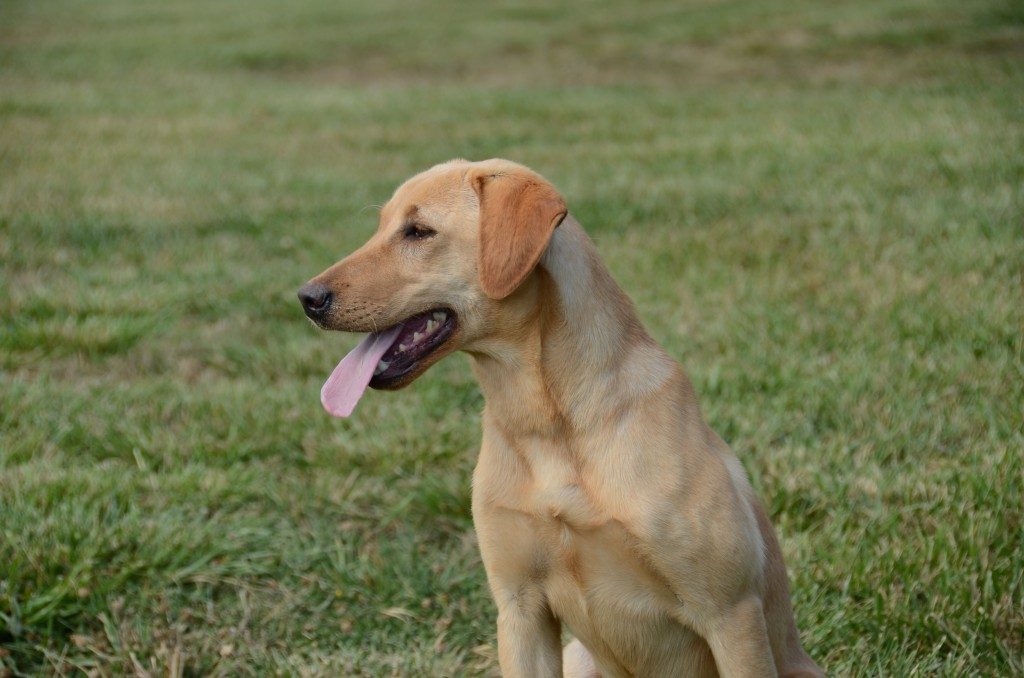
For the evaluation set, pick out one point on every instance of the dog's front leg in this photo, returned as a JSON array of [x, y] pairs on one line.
[[739, 642], [529, 636]]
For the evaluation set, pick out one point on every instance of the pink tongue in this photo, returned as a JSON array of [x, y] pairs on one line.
[[349, 379]]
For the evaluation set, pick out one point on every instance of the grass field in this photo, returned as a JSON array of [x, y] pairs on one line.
[[818, 207]]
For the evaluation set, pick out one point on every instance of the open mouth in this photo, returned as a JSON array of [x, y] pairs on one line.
[[418, 337], [386, 359]]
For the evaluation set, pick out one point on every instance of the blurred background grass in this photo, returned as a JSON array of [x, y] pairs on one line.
[[817, 207]]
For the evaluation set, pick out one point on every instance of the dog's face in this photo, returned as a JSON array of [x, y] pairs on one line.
[[452, 247]]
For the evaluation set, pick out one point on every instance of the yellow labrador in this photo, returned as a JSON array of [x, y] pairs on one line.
[[601, 499]]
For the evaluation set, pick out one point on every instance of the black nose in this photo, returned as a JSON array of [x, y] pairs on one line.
[[315, 299]]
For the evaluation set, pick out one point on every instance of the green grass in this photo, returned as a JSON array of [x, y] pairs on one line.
[[818, 207]]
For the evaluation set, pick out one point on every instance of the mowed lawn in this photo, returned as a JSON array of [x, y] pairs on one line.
[[817, 206]]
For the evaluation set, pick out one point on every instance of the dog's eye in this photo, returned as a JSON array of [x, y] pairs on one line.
[[417, 232]]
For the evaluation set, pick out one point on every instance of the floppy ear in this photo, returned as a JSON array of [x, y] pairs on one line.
[[518, 213]]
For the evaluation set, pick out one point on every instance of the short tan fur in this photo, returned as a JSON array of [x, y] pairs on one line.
[[602, 500]]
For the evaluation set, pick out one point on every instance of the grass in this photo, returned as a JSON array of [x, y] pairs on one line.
[[818, 207]]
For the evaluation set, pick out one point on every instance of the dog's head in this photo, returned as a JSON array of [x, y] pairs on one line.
[[453, 246]]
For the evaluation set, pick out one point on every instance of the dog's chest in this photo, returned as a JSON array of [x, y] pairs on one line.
[[557, 492], [588, 558], [587, 548], [600, 583], [560, 497]]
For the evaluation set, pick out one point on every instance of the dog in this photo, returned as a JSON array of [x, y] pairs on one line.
[[601, 499]]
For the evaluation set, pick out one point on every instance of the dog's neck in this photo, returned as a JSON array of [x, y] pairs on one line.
[[577, 354]]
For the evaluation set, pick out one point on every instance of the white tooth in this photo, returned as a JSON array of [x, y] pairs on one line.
[[401, 348], [381, 366], [439, 316], [416, 336], [430, 326]]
